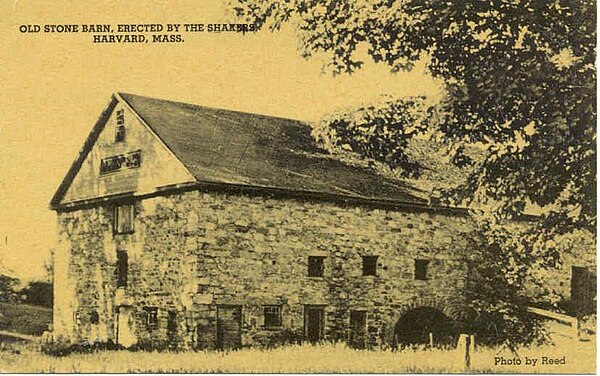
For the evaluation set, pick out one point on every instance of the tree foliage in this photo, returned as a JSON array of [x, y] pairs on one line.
[[38, 293], [503, 259], [8, 289], [379, 132]]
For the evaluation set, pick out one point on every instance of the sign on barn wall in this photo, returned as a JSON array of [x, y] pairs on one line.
[[121, 162]]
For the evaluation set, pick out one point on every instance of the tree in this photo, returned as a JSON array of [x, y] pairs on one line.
[[520, 83], [500, 269], [8, 292], [38, 293], [379, 132]]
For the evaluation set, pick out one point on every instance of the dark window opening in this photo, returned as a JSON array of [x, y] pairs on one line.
[[272, 316], [94, 317], [421, 269], [122, 261], [369, 266], [123, 219], [120, 129], [151, 316], [315, 266]]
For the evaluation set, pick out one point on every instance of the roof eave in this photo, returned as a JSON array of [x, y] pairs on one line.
[[389, 204]]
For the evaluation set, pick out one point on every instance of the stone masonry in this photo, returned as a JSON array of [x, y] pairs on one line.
[[193, 251]]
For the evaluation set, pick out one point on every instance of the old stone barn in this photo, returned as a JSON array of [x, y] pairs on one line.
[[197, 227]]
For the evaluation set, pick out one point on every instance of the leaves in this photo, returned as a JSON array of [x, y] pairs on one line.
[[379, 132]]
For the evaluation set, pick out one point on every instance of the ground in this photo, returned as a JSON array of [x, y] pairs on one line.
[[579, 357], [24, 319], [24, 356]]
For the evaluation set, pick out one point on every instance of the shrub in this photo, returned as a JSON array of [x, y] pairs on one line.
[[153, 345], [61, 347]]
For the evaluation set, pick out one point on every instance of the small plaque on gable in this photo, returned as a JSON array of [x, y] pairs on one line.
[[121, 162]]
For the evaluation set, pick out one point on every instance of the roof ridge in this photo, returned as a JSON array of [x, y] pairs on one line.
[[303, 122]]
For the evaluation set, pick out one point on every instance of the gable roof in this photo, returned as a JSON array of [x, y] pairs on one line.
[[83, 153], [226, 147]]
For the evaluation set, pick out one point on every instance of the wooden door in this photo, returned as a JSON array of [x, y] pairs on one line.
[[229, 327], [314, 323], [358, 329], [583, 290]]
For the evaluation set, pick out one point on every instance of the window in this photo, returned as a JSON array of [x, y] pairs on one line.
[[272, 316], [123, 219], [122, 269], [369, 265], [151, 316], [94, 317], [120, 130], [315, 266], [421, 269]]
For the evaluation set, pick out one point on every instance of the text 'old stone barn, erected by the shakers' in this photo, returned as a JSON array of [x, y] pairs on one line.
[[205, 228]]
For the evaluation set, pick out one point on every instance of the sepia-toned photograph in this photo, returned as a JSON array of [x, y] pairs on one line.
[[300, 186]]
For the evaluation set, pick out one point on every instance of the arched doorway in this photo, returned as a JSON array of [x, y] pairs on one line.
[[425, 325]]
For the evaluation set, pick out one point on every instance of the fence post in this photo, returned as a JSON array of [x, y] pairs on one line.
[[464, 347], [575, 325]]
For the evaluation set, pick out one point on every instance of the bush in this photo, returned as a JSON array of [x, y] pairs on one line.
[[153, 345], [38, 293], [286, 336], [61, 347]]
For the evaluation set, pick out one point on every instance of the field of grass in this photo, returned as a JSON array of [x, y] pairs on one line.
[[579, 357], [25, 319]]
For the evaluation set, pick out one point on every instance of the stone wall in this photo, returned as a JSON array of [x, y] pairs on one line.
[[193, 251]]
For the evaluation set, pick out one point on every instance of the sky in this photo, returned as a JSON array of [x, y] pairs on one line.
[[55, 85]]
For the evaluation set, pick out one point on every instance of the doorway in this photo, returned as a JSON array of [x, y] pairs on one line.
[[314, 323], [125, 334], [358, 329], [229, 327], [425, 326]]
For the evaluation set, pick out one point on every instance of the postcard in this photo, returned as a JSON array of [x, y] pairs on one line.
[[321, 186]]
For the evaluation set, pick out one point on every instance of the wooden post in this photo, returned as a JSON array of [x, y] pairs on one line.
[[463, 348], [430, 339], [468, 353]]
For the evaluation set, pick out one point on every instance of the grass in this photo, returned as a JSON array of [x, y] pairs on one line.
[[579, 358], [25, 319]]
